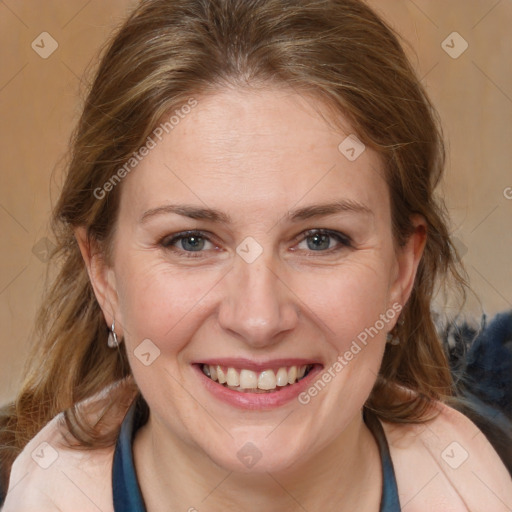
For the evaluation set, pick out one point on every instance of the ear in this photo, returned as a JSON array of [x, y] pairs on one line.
[[408, 258], [102, 278]]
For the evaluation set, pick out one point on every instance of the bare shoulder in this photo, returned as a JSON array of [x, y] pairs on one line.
[[447, 464], [50, 474]]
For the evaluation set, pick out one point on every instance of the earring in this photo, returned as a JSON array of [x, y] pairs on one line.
[[391, 338], [112, 341]]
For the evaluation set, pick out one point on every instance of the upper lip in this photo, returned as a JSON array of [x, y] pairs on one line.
[[257, 366]]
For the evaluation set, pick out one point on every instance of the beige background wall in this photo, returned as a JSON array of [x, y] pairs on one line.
[[40, 98]]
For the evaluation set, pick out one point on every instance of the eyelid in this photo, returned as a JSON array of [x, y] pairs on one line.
[[342, 237], [168, 241]]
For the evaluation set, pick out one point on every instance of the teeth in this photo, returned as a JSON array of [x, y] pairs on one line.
[[232, 377], [282, 377], [267, 380], [221, 376], [292, 375], [249, 380]]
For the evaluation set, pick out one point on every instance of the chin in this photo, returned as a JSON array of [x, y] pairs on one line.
[[257, 454]]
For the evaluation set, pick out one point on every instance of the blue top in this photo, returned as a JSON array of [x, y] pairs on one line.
[[127, 493]]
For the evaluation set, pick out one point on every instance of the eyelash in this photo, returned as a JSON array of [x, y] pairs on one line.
[[167, 243]]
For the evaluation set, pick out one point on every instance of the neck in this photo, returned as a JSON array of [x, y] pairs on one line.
[[178, 476]]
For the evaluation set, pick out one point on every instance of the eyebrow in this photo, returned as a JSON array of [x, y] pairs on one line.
[[307, 212]]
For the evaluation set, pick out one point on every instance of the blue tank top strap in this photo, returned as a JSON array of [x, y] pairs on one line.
[[390, 501], [127, 494], [125, 486]]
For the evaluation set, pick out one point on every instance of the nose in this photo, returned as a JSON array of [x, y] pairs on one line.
[[257, 306]]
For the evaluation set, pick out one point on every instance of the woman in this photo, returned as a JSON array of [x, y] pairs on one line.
[[249, 244]]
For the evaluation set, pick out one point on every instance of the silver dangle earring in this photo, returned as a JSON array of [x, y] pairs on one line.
[[112, 341]]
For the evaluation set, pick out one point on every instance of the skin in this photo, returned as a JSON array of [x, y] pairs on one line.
[[254, 155]]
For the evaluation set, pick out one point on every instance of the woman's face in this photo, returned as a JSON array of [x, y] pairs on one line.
[[256, 289]]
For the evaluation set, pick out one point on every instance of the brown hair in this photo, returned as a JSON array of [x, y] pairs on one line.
[[338, 51]]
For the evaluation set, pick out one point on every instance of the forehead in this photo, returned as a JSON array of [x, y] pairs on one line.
[[256, 149]]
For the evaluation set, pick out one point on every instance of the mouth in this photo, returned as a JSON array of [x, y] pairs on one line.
[[250, 385], [245, 380]]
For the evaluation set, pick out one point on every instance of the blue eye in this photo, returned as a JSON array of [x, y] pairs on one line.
[[318, 240], [193, 242]]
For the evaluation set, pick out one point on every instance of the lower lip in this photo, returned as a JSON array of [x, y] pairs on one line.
[[257, 401]]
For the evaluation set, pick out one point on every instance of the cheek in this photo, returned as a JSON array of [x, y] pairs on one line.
[[160, 303], [349, 299]]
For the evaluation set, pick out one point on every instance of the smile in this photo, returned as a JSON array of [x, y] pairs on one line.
[[256, 385], [249, 381]]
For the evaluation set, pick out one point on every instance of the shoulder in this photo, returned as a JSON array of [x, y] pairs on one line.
[[448, 464], [50, 474]]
